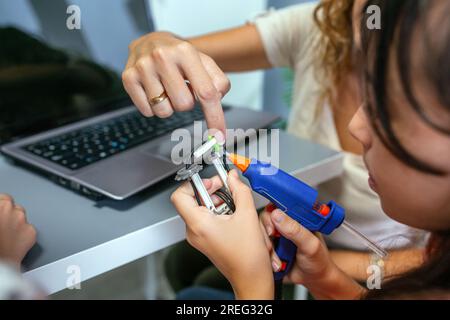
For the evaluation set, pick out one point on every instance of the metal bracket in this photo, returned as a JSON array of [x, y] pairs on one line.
[[191, 173]]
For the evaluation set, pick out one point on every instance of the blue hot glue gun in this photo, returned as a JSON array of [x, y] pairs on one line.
[[299, 201]]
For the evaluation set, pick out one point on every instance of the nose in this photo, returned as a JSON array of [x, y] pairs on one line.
[[359, 128]]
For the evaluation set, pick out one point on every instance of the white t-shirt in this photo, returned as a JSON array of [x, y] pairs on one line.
[[289, 37]]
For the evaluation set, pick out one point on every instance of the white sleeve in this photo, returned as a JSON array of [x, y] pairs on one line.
[[286, 32]]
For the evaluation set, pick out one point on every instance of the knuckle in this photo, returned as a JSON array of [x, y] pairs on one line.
[[291, 229], [226, 85], [174, 196], [6, 198], [159, 54], [6, 206], [125, 76], [20, 217], [20, 208], [143, 64], [313, 247], [185, 47], [223, 84], [209, 93], [128, 76], [32, 232], [310, 250], [184, 103]]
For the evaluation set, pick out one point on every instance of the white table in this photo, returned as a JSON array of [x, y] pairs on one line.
[[78, 234]]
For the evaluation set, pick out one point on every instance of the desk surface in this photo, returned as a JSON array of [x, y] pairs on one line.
[[80, 237]]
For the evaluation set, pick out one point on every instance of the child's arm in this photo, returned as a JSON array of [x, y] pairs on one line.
[[355, 263]]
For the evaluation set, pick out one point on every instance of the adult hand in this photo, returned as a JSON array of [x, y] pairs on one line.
[[160, 62]]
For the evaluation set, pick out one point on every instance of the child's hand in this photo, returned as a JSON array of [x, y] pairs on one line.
[[234, 243], [17, 236], [313, 266]]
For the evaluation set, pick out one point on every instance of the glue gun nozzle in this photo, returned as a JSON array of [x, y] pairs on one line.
[[240, 162]]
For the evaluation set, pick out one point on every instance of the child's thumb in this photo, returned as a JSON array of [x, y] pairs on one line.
[[242, 194]]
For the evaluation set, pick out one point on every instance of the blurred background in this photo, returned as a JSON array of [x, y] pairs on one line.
[[107, 27]]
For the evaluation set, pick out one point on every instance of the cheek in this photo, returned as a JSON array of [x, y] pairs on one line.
[[388, 182], [409, 196]]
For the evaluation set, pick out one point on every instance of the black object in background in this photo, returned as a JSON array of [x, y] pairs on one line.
[[42, 88]]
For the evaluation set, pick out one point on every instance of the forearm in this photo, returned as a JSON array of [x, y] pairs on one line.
[[355, 263], [336, 285], [262, 291], [255, 285], [234, 50]]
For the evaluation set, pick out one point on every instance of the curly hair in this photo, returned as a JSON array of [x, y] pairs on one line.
[[334, 59]]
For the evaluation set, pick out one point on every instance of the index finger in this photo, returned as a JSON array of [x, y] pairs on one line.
[[207, 94]]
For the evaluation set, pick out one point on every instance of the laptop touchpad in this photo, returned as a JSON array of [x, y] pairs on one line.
[[162, 150], [172, 151], [127, 173]]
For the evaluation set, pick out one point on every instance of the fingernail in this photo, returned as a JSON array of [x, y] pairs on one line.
[[275, 266], [220, 137], [277, 215]]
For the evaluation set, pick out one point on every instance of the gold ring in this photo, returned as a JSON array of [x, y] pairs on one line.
[[155, 100]]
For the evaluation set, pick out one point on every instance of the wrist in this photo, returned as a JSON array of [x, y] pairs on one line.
[[335, 285], [248, 288], [352, 263]]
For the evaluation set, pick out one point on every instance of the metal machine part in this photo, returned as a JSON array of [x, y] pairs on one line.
[[215, 154]]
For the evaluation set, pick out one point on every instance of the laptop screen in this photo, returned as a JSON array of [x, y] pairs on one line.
[[47, 82]]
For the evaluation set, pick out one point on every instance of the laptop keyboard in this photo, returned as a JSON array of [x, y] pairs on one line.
[[88, 145]]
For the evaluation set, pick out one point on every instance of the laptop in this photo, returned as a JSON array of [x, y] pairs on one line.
[[69, 118], [95, 142], [112, 154]]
